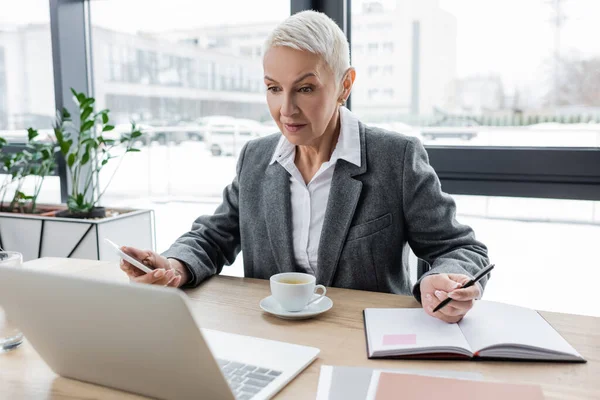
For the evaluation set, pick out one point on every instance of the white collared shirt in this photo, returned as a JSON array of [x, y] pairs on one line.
[[309, 202]]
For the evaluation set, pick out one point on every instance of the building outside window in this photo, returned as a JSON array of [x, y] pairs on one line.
[[460, 78]]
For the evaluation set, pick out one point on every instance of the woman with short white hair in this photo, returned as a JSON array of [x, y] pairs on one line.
[[328, 195]]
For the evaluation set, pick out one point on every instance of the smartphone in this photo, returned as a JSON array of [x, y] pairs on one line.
[[136, 263]]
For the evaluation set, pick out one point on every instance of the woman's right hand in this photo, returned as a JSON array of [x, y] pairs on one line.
[[167, 272]]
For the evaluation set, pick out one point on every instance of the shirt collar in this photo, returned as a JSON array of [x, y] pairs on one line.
[[347, 147]]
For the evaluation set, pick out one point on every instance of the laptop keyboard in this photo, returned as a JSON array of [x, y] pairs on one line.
[[246, 380]]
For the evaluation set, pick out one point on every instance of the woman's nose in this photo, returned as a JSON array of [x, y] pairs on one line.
[[288, 106]]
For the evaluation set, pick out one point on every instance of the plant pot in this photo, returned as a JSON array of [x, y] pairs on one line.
[[96, 212], [51, 213], [35, 235]]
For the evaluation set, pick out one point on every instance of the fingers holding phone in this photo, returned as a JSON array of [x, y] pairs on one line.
[[131, 258], [158, 270], [146, 266]]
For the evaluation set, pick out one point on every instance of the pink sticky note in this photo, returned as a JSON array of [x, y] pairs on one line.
[[391, 340]]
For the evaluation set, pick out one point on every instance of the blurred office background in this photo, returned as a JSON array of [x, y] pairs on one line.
[[505, 94]]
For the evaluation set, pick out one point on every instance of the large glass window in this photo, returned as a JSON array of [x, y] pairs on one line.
[[502, 73], [541, 247], [26, 80], [190, 75], [479, 73]]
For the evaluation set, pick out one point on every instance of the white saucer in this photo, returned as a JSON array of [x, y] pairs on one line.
[[270, 305]]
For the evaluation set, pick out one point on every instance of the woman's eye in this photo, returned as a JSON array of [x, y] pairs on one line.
[[273, 89], [305, 89]]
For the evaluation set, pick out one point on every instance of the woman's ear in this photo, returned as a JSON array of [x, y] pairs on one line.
[[347, 83]]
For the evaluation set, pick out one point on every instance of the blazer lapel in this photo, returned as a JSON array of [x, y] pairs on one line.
[[278, 216], [343, 199]]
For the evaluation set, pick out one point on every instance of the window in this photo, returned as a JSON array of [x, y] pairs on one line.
[[191, 77], [26, 87], [372, 70], [461, 78], [27, 80], [3, 95], [538, 241], [506, 113]]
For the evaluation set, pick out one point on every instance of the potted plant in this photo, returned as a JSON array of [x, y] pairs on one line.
[[76, 229], [87, 155], [36, 160]]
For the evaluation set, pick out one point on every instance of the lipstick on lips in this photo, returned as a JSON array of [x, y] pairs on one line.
[[293, 128]]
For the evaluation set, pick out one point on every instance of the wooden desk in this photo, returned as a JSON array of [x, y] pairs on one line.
[[231, 304]]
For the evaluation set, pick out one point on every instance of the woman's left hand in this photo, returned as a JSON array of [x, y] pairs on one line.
[[438, 287]]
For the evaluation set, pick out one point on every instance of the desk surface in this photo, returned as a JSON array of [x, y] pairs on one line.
[[231, 304]]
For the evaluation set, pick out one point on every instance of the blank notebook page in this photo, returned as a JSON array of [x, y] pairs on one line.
[[490, 323]]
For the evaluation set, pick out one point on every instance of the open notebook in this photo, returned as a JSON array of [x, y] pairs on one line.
[[489, 330]]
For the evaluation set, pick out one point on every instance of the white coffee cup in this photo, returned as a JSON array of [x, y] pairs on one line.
[[294, 290]]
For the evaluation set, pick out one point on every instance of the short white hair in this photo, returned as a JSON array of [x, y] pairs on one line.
[[317, 33]]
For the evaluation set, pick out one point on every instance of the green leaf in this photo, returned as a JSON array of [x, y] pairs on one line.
[[87, 125], [75, 205], [136, 134], [22, 196], [105, 117], [25, 197], [133, 150], [59, 135], [75, 93], [79, 204], [32, 134], [86, 113], [65, 146], [2, 141], [65, 113], [104, 161], [108, 128], [87, 102], [71, 160], [85, 158]]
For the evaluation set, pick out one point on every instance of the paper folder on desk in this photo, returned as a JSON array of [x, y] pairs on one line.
[[490, 330], [391, 386]]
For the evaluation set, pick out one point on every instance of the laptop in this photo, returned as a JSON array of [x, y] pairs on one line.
[[142, 339]]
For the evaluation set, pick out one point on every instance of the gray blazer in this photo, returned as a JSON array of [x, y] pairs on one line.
[[394, 197]]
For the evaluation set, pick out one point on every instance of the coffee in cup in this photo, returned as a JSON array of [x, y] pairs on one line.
[[294, 290]]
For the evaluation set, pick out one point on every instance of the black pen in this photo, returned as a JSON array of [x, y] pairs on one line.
[[477, 277]]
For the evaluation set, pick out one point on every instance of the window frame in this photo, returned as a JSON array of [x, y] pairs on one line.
[[536, 172], [564, 173]]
